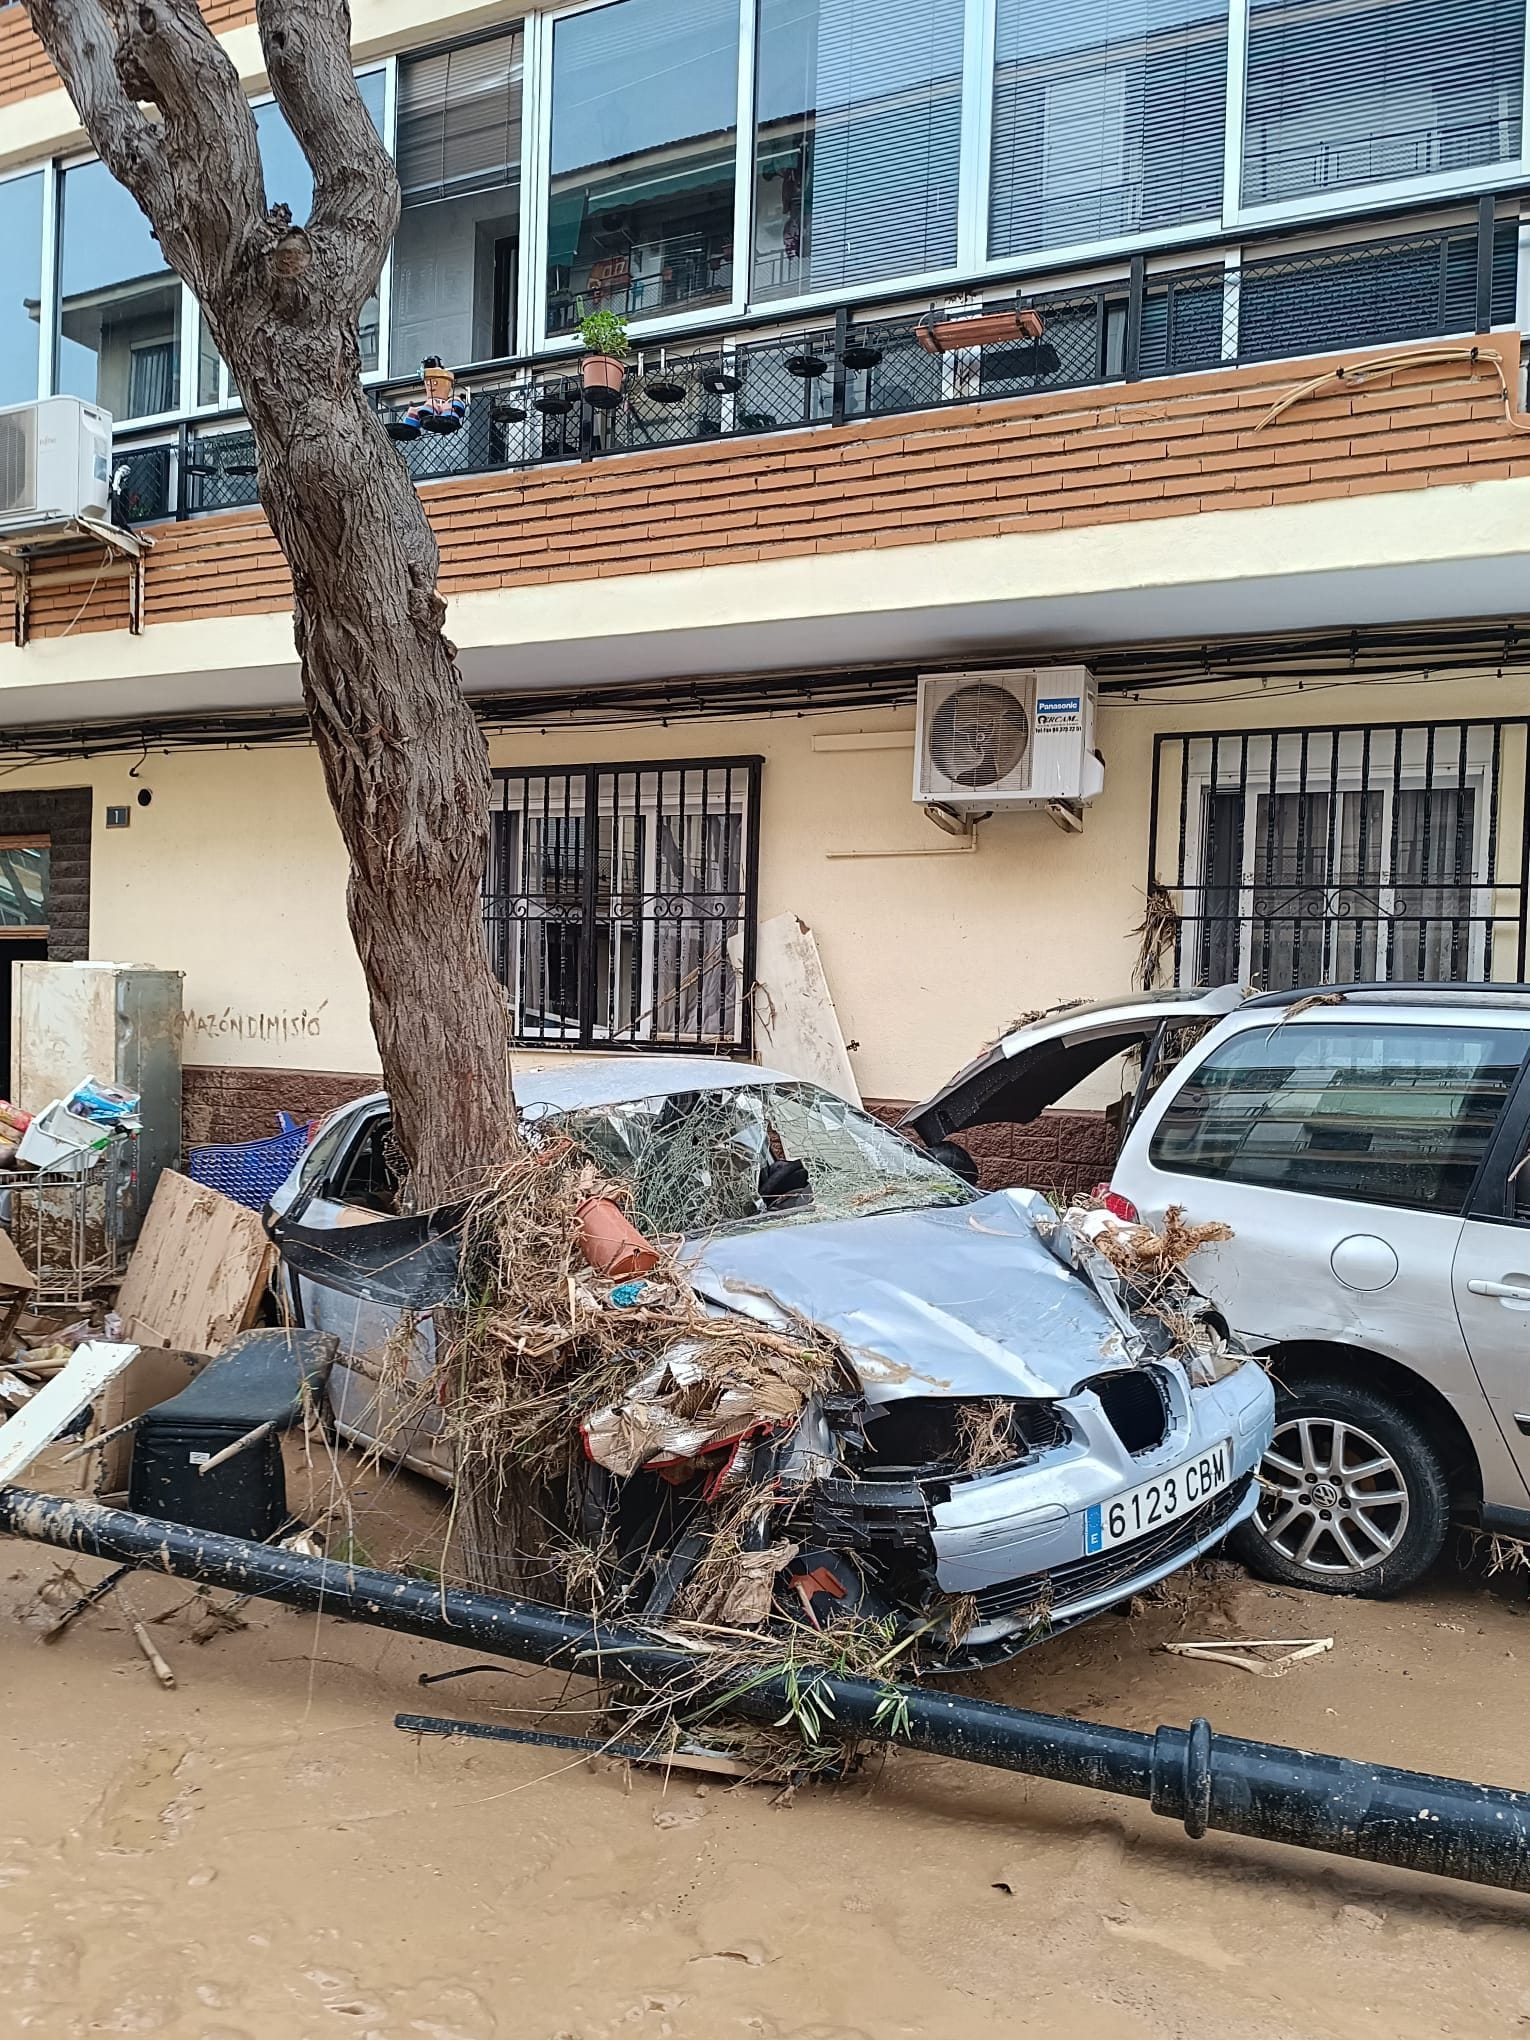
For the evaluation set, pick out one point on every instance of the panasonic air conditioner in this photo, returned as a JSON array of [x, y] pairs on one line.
[[1019, 738], [55, 465]]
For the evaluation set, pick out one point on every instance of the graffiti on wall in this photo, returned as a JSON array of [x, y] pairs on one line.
[[270, 1027]]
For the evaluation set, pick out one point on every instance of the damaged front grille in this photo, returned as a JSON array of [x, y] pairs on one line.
[[1136, 1407], [1081, 1578], [950, 1438]]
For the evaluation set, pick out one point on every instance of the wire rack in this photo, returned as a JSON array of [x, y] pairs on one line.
[[70, 1227]]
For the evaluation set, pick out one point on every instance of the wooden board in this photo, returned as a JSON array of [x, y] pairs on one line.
[[796, 1029], [58, 1402], [198, 1271]]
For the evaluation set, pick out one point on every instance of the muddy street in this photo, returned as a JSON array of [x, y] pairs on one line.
[[259, 1853]]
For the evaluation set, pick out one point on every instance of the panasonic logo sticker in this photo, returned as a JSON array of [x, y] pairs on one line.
[[1059, 712]]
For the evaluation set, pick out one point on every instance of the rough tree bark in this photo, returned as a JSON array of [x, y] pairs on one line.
[[404, 760]]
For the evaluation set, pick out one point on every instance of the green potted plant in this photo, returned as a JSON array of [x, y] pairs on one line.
[[603, 336]]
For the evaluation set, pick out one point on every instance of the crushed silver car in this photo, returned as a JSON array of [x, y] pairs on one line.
[[1025, 1434]]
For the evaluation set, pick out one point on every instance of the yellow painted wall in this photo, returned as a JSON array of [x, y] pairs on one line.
[[235, 875]]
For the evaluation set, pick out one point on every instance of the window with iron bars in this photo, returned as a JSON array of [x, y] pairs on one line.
[[620, 902], [1333, 855]]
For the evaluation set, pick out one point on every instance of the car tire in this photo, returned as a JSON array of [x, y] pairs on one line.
[[1313, 1524]]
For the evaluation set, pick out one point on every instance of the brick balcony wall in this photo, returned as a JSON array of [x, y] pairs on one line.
[[1164, 448], [24, 66]]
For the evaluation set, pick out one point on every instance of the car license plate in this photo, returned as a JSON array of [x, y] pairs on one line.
[[1159, 1501]]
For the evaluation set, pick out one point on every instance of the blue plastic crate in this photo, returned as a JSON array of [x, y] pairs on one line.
[[249, 1171]]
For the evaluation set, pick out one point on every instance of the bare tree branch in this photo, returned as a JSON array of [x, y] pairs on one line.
[[113, 54], [81, 36], [355, 210]]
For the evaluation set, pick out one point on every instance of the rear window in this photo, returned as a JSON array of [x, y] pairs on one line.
[[1382, 1114]]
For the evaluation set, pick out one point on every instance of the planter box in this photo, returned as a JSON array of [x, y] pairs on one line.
[[977, 329]]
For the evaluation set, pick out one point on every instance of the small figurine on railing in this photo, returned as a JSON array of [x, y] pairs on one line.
[[439, 410]]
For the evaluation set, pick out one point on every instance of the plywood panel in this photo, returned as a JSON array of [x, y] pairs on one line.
[[198, 1271]]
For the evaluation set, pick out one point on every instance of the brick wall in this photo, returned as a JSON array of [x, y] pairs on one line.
[[1062, 1154], [1156, 449], [235, 1104], [25, 69]]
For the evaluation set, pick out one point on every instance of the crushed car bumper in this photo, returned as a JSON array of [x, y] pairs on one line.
[[1032, 1548]]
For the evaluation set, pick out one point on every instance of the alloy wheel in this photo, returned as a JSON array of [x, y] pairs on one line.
[[1333, 1499]]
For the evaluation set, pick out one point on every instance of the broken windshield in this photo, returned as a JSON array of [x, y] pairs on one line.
[[757, 1154]]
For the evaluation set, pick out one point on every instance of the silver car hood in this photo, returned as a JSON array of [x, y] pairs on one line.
[[963, 1300]]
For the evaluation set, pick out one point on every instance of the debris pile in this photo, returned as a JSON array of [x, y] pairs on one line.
[[564, 1353], [1140, 1275]]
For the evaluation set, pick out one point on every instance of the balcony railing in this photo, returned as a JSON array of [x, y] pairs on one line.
[[744, 383]]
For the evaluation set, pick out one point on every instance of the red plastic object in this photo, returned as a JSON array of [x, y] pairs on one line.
[[1117, 1205], [611, 1243]]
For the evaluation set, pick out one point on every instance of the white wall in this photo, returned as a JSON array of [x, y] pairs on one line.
[[236, 876]]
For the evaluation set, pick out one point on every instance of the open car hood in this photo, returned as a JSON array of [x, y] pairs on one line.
[[961, 1300], [1035, 1065]]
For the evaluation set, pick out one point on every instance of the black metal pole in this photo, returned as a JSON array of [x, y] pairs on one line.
[[1441, 1825]]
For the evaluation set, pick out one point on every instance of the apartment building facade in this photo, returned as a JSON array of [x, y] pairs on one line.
[[1263, 473]]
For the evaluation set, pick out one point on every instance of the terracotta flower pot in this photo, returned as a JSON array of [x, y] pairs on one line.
[[603, 376], [611, 1243]]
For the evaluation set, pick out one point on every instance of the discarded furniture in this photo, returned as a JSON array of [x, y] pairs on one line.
[[211, 1457]]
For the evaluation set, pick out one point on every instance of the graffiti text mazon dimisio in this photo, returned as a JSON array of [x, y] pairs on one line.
[[233, 1023]]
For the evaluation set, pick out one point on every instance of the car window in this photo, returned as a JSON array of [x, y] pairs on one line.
[[757, 1154], [1382, 1114], [321, 1156], [366, 1175]]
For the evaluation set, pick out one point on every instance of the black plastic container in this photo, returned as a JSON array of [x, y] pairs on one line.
[[245, 1497]]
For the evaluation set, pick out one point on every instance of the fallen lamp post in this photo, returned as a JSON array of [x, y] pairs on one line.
[[1369, 1812]]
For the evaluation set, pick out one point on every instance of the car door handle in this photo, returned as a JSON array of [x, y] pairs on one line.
[[1511, 1292]]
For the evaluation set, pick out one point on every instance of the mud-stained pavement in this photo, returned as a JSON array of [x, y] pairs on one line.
[[261, 1855]]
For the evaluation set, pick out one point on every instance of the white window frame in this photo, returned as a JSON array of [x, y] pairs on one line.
[[47, 265], [53, 253], [1345, 774]]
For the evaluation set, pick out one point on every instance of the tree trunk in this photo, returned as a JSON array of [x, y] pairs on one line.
[[404, 762]]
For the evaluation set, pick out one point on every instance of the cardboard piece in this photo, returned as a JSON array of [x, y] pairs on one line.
[[16, 1284], [198, 1272], [152, 1378], [37, 1423]]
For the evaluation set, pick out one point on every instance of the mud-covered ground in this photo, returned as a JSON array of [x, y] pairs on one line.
[[260, 1855]]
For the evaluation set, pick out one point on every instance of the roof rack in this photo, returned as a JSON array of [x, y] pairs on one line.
[[1395, 994]]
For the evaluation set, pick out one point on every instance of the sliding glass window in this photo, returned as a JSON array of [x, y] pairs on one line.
[[456, 256], [1343, 93], [119, 342], [21, 207], [1108, 120], [858, 115], [644, 130]]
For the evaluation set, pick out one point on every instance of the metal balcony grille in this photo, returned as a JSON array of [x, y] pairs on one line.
[[619, 903], [1339, 855], [1457, 278]]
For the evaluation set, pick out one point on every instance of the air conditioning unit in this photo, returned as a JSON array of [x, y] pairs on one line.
[[1014, 739], [55, 465]]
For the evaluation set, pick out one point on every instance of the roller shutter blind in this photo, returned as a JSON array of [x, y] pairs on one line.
[[1108, 120], [459, 120], [1342, 93]]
